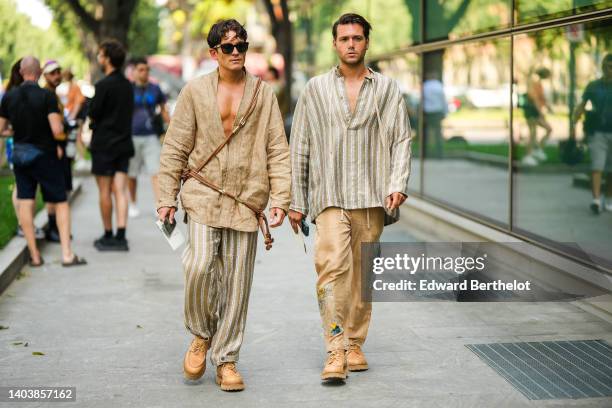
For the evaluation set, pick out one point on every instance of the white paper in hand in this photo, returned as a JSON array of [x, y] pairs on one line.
[[175, 238]]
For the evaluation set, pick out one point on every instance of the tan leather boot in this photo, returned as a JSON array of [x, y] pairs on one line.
[[194, 364], [228, 377], [355, 359], [335, 366]]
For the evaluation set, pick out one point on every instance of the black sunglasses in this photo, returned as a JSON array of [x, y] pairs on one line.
[[228, 48]]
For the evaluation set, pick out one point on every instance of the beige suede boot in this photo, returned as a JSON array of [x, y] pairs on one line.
[[335, 366], [355, 358], [194, 364], [228, 377]]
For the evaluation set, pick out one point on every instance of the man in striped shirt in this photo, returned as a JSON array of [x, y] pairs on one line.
[[350, 151]]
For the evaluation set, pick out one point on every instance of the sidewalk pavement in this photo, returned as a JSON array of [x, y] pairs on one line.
[[114, 330]]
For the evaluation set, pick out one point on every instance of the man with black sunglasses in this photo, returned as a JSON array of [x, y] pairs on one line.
[[226, 143]]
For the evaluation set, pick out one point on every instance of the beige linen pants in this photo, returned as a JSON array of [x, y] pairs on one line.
[[338, 239], [218, 265]]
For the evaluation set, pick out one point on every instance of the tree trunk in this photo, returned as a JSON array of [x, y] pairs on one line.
[[282, 30], [114, 21]]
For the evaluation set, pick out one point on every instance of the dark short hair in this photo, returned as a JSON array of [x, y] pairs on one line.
[[352, 18], [139, 60], [274, 72], [15, 79], [222, 27], [115, 51]]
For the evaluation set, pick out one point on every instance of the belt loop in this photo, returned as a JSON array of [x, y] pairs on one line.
[[341, 214], [368, 216]]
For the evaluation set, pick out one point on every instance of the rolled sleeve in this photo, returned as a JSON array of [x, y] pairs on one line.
[[178, 144], [300, 156], [400, 149], [279, 164]]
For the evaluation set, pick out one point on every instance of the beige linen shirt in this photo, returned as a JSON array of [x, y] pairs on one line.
[[255, 165], [345, 159]]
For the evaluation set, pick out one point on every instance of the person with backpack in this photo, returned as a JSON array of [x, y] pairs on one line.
[[150, 116], [599, 93], [38, 125]]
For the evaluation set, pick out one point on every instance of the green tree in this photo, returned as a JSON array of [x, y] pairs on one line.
[[20, 38], [143, 35], [103, 18], [282, 30], [86, 23]]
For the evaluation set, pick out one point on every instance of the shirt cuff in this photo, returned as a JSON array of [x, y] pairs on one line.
[[283, 205], [167, 203], [398, 189], [299, 209]]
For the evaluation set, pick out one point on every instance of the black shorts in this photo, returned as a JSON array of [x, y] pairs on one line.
[[103, 164], [47, 171], [67, 167]]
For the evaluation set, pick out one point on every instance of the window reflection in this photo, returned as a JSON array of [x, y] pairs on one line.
[[529, 11], [466, 104], [456, 18], [563, 137], [405, 70]]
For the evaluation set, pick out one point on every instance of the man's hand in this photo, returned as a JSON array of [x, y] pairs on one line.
[[394, 200], [295, 218], [60, 152], [166, 213], [277, 215]]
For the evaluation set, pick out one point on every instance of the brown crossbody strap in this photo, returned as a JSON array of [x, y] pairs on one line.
[[239, 126], [262, 221]]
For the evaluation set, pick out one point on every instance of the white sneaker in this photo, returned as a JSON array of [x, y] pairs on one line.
[[540, 155], [529, 160], [596, 206], [608, 204], [133, 211]]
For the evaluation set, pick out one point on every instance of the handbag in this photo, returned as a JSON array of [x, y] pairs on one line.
[[570, 151], [195, 173], [25, 154], [157, 122]]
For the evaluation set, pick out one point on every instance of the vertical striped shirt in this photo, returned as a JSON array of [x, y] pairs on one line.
[[349, 160]]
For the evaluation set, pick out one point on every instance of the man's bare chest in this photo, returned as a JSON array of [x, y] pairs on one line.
[[228, 103], [353, 89]]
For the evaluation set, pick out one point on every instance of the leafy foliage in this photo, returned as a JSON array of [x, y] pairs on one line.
[[143, 35], [20, 38]]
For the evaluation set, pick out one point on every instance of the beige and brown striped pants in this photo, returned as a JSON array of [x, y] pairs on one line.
[[218, 264]]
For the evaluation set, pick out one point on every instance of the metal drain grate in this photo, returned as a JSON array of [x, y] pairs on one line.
[[552, 369]]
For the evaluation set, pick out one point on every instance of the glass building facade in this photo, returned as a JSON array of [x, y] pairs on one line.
[[511, 106]]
